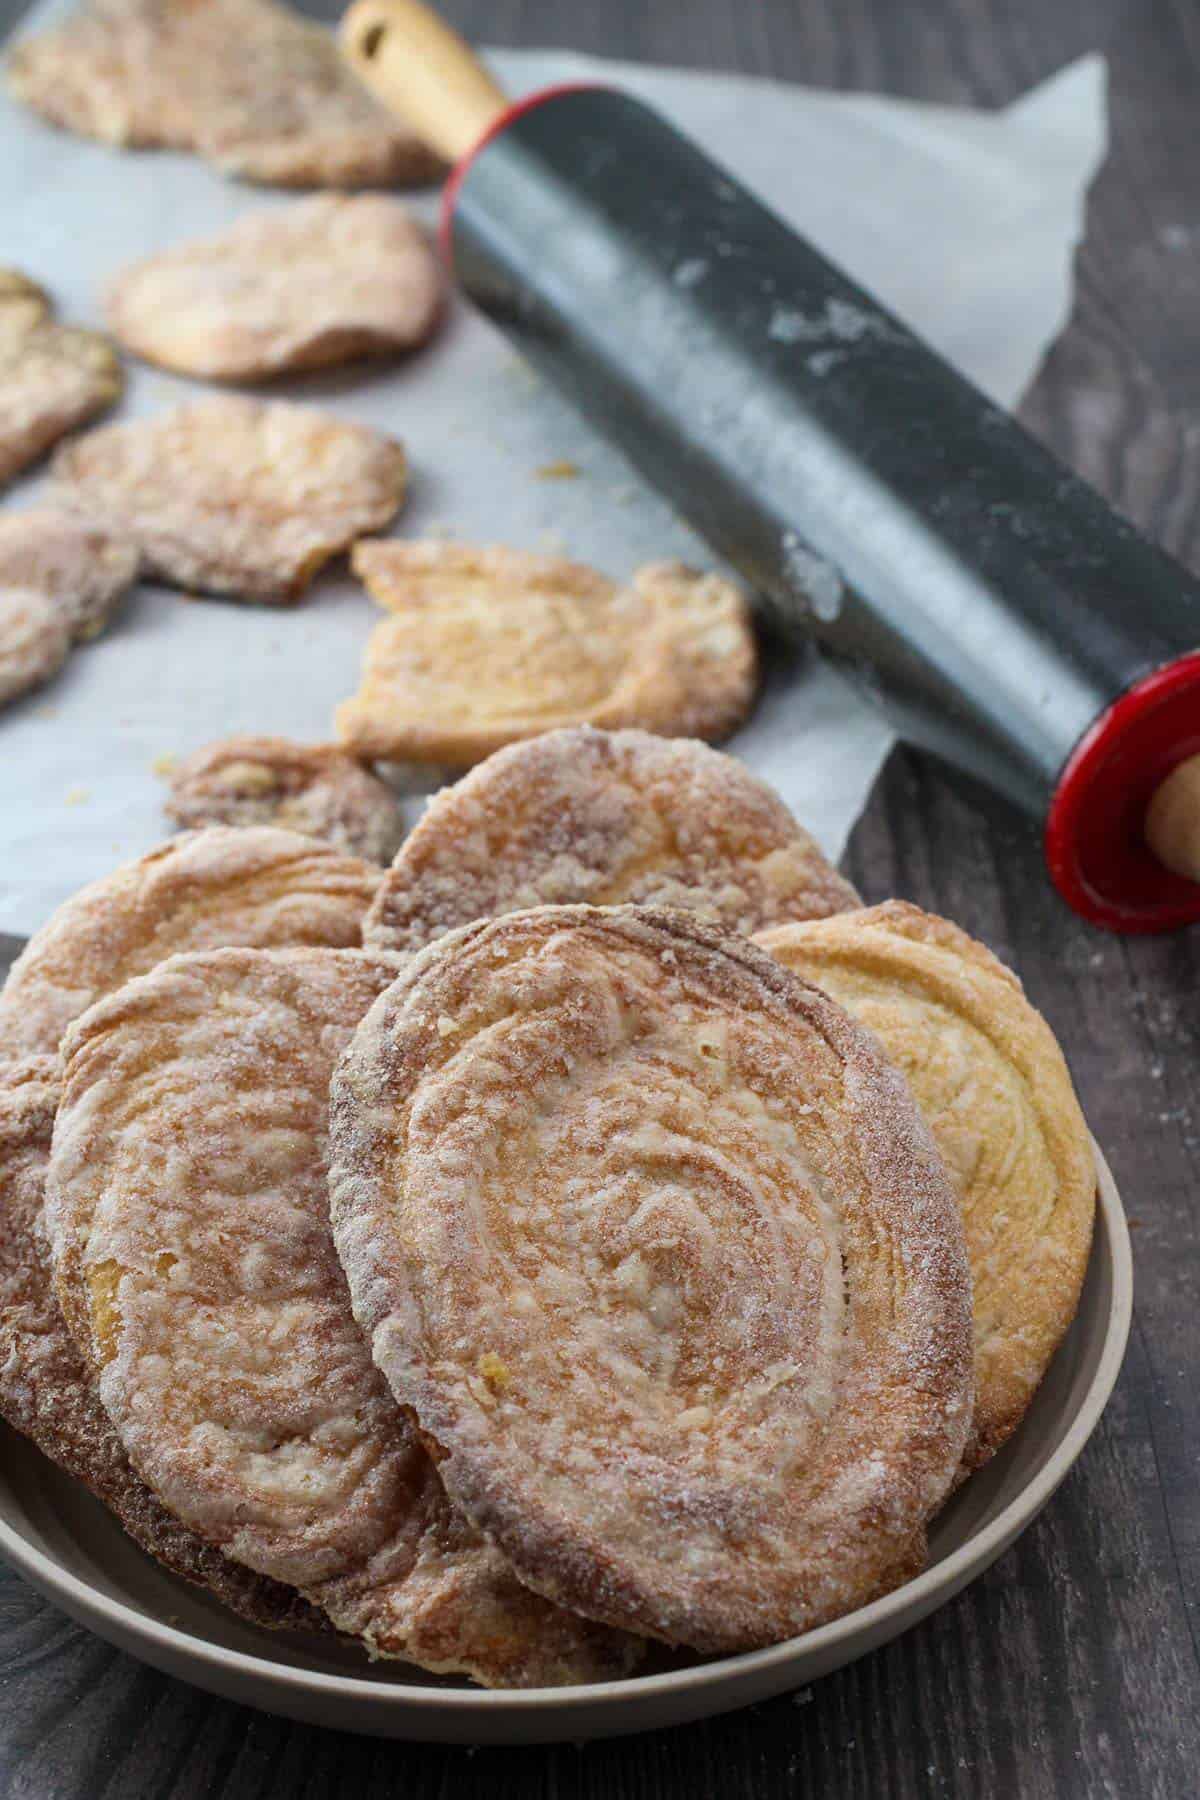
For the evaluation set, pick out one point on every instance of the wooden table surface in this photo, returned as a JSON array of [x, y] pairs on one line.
[[1071, 1668]]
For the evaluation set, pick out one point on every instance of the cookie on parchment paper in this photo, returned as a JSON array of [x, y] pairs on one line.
[[52, 377], [250, 85], [484, 647], [311, 788], [234, 496], [331, 279]]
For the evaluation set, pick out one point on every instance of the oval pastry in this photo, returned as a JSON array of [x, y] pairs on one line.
[[255, 886], [46, 1389], [188, 1217], [326, 280], [604, 817], [991, 1081], [655, 1245]]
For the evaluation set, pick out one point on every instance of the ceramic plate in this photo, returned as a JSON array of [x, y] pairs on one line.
[[67, 1545]]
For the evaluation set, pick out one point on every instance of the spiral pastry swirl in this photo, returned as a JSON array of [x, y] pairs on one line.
[[990, 1079], [656, 1248], [188, 1219]]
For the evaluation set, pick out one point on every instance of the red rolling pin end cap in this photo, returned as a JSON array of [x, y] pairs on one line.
[[1095, 842], [458, 173]]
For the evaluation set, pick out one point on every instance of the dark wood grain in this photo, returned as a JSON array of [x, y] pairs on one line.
[[1071, 1668]]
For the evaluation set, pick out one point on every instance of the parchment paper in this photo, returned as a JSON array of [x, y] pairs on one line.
[[962, 221]]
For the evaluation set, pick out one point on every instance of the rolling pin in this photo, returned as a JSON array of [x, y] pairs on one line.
[[991, 601]]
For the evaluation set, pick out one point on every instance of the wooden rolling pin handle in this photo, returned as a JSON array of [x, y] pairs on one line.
[[422, 71], [1173, 820]]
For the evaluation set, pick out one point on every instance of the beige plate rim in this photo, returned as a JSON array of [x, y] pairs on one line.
[[455, 1709]]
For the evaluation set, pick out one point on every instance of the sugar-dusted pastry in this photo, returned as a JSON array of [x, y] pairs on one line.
[[189, 1223], [52, 377], [46, 1388], [259, 887], [34, 641], [82, 566], [991, 1081], [248, 84], [329, 279], [485, 647], [656, 1246], [604, 817], [237, 496], [312, 788]]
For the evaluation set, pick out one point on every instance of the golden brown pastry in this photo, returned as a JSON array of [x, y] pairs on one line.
[[256, 886], [247, 84], [330, 279], [655, 1245], [486, 647], [236, 496], [604, 817], [52, 377], [189, 1223], [991, 1081], [46, 1388], [311, 788]]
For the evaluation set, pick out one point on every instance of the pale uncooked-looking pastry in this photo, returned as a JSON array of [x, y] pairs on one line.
[[52, 377], [34, 641], [46, 1388], [189, 1223], [248, 84], [991, 1081], [654, 1243], [256, 886], [237, 496], [485, 647], [604, 817], [80, 565], [313, 788], [325, 280]]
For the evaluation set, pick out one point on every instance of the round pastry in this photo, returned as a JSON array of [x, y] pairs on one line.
[[326, 280], [189, 1222], [208, 888], [604, 817], [991, 1081], [236, 496], [46, 1389], [654, 1244], [315, 789], [486, 647]]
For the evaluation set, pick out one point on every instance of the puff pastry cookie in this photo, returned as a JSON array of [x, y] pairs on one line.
[[189, 1223], [991, 1081], [604, 817], [46, 1388], [656, 1247], [311, 788], [485, 647], [256, 886], [330, 279]]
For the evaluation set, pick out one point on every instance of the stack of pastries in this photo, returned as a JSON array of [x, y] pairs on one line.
[[600, 1232]]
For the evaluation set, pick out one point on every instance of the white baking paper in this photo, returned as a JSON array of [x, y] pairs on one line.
[[962, 221]]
